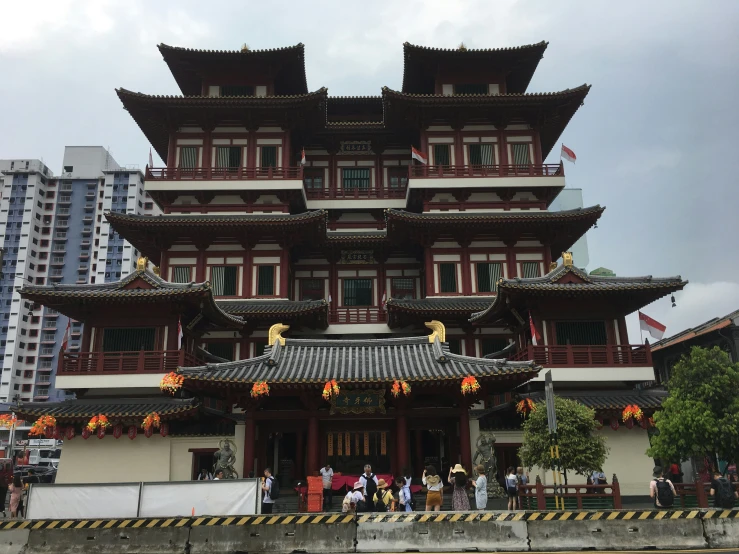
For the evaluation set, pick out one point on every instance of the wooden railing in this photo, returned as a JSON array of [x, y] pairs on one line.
[[689, 495], [587, 356], [222, 173], [446, 171], [576, 497], [357, 315], [350, 193], [107, 363]]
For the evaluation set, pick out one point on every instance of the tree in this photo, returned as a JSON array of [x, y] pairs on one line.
[[700, 416], [580, 449]]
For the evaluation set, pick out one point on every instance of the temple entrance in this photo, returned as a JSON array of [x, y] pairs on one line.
[[349, 451], [432, 448]]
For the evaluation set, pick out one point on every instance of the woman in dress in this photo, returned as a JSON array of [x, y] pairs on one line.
[[458, 479], [16, 489], [481, 488], [433, 485]]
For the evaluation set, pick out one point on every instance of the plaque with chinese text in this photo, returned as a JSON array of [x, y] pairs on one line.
[[358, 402], [357, 257], [355, 147]]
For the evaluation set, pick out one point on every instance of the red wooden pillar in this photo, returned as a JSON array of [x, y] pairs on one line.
[[428, 258], [249, 439], [200, 268], [511, 260], [313, 461], [466, 288], [86, 335], [207, 150], [464, 437], [623, 333], [401, 442], [172, 150]]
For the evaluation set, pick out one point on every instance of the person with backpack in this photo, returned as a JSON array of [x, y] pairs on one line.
[[723, 491], [354, 500], [369, 482], [270, 491], [383, 498], [661, 489]]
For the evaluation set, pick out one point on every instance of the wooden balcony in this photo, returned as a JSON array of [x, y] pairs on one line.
[[112, 363], [459, 171], [357, 315], [222, 173], [624, 355], [354, 193]]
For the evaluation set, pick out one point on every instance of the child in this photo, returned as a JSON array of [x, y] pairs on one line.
[[481, 488], [404, 495]]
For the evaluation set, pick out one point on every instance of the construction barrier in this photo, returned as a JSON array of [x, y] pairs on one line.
[[393, 532]]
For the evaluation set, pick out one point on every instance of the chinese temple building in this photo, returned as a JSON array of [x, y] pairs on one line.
[[302, 247]]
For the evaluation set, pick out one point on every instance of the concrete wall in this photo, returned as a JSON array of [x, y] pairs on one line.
[[628, 459]]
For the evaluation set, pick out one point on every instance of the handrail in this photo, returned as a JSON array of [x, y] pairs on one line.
[[638, 355], [341, 193], [222, 173], [580, 496], [357, 315], [142, 361], [509, 170]]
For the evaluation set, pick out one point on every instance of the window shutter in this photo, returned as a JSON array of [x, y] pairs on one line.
[[530, 269], [188, 157], [181, 274], [591, 333], [128, 340], [442, 154], [266, 280], [357, 292], [448, 277], [269, 156], [356, 178], [488, 275], [521, 154]]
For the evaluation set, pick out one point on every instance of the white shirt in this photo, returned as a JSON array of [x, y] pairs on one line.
[[327, 476], [265, 497], [363, 479], [216, 478]]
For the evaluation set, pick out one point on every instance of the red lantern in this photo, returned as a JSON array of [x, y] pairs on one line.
[[614, 423], [630, 423], [148, 432], [164, 429], [58, 432], [48, 431], [69, 433], [101, 431], [117, 431], [132, 432], [643, 423], [85, 433]]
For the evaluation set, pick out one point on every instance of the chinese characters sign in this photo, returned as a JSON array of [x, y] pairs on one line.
[[355, 147], [359, 402], [357, 257]]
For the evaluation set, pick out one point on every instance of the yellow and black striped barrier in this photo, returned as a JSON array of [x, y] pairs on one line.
[[277, 519]]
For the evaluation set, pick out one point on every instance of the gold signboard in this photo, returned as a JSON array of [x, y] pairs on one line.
[[358, 402]]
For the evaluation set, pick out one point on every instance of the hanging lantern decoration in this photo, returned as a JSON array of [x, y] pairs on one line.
[[85, 432], [148, 432], [58, 433], [150, 422], [629, 423], [164, 429], [632, 411], [400, 386], [643, 423], [132, 431], [69, 433], [260, 388], [614, 423], [117, 431], [49, 432], [171, 382], [470, 385], [101, 431], [43, 426], [8, 420], [330, 390], [525, 407]]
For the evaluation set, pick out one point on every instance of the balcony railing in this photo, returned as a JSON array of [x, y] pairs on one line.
[[447, 171], [357, 315], [352, 193], [222, 173], [587, 356], [109, 363]]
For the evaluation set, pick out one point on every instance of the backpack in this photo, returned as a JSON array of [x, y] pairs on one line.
[[724, 493], [371, 487], [346, 504], [380, 505], [665, 496], [274, 489]]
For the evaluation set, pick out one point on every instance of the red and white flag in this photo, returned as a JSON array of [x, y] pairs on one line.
[[151, 160], [535, 336], [419, 156], [568, 154], [651, 326], [302, 157], [65, 340], [179, 333], [384, 299]]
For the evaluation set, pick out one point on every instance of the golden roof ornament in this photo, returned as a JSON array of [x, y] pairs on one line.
[[275, 333], [567, 259], [438, 330], [141, 263], [552, 266], [462, 47], [156, 271]]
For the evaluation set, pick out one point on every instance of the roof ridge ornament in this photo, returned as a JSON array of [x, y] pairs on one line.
[[567, 259], [142, 263], [275, 333], [439, 331]]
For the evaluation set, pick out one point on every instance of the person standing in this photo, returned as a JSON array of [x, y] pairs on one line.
[[481, 488], [661, 489], [511, 485], [434, 486], [458, 480], [267, 502], [204, 475], [369, 483], [405, 499], [522, 481], [723, 491], [327, 475], [219, 475], [383, 498], [16, 489], [353, 500], [676, 473]]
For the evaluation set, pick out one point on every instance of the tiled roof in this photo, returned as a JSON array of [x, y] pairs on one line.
[[709, 326], [355, 236], [358, 361], [465, 304], [213, 220], [113, 408], [569, 280], [502, 217], [251, 309], [610, 400], [219, 101]]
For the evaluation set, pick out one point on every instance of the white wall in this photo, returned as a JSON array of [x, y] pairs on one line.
[[628, 459], [87, 161]]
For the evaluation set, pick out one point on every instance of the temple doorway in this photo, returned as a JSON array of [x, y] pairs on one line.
[[349, 451]]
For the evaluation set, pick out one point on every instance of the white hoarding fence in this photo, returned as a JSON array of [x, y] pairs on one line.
[[128, 500]]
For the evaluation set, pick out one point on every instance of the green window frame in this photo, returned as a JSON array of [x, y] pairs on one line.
[[268, 156], [265, 280], [357, 292], [353, 178], [488, 275], [223, 280], [442, 154], [448, 277]]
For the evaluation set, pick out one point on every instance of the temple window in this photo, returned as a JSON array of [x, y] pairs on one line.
[[355, 178], [237, 90], [228, 157], [581, 332], [223, 280], [488, 275], [520, 153], [188, 157], [402, 288], [311, 289], [265, 280], [223, 350], [181, 274], [128, 339], [268, 156], [490, 346], [447, 277], [471, 88], [482, 154], [397, 177], [530, 269], [313, 178], [442, 154], [357, 292]]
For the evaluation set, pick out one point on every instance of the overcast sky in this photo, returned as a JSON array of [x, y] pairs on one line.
[[655, 140]]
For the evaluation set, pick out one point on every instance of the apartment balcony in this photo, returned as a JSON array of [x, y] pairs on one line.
[[118, 363], [486, 176], [63, 211], [65, 200], [229, 178], [347, 316], [57, 261], [90, 195], [87, 230], [56, 273]]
